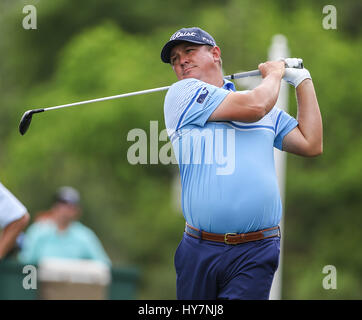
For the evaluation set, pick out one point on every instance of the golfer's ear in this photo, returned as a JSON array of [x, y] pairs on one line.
[[216, 52]]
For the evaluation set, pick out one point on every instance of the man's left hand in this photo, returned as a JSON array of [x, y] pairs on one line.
[[295, 76]]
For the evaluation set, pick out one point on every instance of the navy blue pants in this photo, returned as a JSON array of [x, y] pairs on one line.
[[212, 270]]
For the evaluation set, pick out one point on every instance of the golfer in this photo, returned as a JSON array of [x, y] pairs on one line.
[[230, 247]]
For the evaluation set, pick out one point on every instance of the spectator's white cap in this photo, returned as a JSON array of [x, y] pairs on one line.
[[68, 195]]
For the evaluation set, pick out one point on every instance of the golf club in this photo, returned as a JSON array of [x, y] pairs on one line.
[[27, 116]]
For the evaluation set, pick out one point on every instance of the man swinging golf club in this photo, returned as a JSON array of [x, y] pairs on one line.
[[230, 247]]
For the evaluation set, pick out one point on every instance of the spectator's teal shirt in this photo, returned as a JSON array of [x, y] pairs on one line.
[[44, 240]]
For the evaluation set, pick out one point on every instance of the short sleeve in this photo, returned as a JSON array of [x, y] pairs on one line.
[[35, 238], [191, 102], [11, 208], [283, 124]]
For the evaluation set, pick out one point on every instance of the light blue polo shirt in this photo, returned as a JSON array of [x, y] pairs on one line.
[[227, 170]]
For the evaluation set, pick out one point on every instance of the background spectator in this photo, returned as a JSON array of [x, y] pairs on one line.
[[57, 233]]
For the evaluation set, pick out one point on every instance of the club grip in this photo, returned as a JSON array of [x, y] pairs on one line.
[[294, 63]]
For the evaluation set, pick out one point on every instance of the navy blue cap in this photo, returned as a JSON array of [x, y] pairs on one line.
[[194, 35]]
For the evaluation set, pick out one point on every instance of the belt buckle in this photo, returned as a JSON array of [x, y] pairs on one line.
[[229, 234]]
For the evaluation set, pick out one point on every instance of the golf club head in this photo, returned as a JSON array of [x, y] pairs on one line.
[[26, 120]]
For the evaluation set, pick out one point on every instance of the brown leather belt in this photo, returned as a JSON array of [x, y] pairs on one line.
[[233, 238]]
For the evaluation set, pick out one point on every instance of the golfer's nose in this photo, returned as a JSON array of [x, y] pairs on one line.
[[183, 59]]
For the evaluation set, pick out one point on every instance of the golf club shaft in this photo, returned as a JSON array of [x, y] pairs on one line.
[[108, 98], [229, 77], [27, 116], [252, 73]]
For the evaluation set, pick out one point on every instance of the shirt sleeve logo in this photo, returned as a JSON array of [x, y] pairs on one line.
[[203, 95]]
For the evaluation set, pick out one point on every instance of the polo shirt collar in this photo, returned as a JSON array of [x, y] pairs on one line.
[[228, 85]]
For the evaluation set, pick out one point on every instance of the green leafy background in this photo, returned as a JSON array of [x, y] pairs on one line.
[[88, 49]]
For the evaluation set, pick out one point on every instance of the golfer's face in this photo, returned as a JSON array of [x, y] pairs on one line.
[[191, 60]]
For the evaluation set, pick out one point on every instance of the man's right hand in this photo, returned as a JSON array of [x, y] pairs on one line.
[[254, 105], [272, 67]]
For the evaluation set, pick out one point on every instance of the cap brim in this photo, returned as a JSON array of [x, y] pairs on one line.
[[166, 50]]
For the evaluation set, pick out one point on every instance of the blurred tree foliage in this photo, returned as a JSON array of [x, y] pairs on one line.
[[83, 50]]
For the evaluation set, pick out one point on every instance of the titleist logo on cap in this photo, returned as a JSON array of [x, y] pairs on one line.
[[182, 34], [208, 40]]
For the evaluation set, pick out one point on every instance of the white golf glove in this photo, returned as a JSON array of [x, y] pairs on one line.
[[295, 76]]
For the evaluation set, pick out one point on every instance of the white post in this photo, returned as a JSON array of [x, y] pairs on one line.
[[279, 49]]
